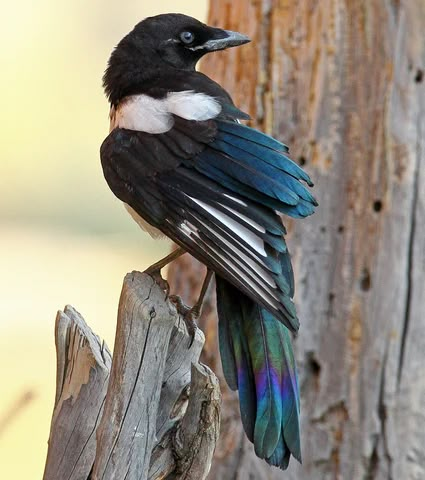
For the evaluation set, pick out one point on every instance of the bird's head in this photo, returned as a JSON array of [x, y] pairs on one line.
[[181, 40], [165, 41]]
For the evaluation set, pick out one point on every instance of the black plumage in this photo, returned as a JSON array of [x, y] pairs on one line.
[[178, 155]]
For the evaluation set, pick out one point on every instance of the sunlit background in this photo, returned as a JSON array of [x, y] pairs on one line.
[[64, 237]]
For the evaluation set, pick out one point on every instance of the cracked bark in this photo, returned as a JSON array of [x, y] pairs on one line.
[[152, 412], [342, 83]]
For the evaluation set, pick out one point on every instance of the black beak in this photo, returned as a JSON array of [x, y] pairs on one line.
[[223, 39]]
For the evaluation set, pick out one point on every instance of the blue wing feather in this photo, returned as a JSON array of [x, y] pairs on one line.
[[248, 174], [252, 135], [266, 165], [254, 165], [273, 156]]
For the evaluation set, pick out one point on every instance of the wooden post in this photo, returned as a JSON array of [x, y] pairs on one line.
[[83, 365], [342, 82], [154, 413]]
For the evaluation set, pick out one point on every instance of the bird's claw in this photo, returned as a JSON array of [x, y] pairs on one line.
[[181, 307], [190, 321], [157, 277], [189, 314]]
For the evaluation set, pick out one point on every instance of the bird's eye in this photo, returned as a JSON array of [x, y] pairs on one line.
[[187, 37]]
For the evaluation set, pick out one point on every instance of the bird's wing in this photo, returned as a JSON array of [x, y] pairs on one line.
[[214, 188]]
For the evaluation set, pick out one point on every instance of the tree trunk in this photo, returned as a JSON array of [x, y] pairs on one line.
[[341, 82]]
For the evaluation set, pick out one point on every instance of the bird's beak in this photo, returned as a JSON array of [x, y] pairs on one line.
[[225, 39]]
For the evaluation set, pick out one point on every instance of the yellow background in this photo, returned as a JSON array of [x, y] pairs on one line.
[[64, 238]]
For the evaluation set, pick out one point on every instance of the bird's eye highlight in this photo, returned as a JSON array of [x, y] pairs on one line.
[[187, 37]]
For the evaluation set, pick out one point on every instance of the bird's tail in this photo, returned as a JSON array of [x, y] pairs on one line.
[[258, 360]]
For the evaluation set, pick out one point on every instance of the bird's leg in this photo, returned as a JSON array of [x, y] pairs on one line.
[[191, 315], [196, 309], [155, 270]]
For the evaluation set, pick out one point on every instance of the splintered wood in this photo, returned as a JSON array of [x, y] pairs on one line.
[[151, 412]]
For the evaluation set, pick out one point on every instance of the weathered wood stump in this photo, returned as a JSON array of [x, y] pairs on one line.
[[150, 412]]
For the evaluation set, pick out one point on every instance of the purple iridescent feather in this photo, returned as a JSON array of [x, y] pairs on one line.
[[258, 361]]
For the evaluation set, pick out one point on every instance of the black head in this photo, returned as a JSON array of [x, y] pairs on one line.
[[171, 40]]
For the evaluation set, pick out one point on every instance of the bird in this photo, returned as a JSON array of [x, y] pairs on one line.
[[187, 167]]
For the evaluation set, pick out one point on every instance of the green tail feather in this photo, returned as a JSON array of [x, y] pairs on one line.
[[258, 361]]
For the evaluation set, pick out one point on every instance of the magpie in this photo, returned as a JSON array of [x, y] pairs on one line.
[[185, 166]]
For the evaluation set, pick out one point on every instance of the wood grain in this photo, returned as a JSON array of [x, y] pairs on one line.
[[159, 415], [341, 82], [83, 365]]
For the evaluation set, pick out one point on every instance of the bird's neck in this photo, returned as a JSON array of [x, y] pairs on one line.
[[129, 73], [125, 76]]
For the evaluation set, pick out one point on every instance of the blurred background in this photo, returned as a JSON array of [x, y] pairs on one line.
[[64, 237]]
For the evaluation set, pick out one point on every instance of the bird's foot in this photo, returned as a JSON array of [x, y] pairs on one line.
[[189, 314], [190, 320], [157, 278], [181, 307]]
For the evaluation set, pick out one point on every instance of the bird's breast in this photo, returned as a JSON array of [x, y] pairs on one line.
[[143, 224]]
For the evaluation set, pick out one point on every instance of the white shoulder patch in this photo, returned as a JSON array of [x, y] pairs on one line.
[[193, 106], [143, 113], [153, 115]]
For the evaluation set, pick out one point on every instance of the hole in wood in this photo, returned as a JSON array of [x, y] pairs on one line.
[[419, 76], [313, 364], [341, 229], [377, 205], [302, 161], [365, 280]]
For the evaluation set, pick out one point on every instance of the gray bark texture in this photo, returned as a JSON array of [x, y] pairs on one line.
[[151, 412], [342, 83]]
